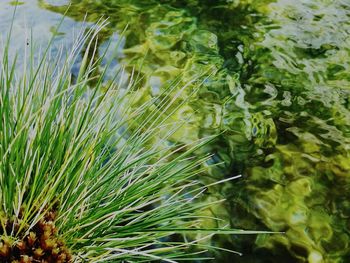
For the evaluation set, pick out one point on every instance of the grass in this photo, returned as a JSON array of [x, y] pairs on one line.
[[78, 184]]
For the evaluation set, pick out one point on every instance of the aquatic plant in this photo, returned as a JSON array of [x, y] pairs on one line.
[[77, 183], [165, 41]]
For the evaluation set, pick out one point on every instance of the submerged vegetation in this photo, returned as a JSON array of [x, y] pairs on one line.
[[267, 81]]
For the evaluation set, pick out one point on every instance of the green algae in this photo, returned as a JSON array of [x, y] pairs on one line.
[[275, 89]]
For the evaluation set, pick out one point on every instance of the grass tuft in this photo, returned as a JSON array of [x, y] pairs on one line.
[[77, 183]]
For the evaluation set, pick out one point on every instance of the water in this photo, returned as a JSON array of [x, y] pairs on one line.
[[276, 87], [34, 23]]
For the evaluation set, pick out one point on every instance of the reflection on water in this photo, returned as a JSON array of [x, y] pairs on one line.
[[278, 93]]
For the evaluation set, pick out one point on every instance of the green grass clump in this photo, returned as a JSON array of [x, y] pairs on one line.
[[77, 184]]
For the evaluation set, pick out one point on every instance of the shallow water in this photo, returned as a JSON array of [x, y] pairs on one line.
[[276, 87]]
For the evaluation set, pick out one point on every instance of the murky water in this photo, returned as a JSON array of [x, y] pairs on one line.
[[276, 89]]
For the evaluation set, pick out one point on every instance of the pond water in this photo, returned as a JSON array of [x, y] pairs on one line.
[[275, 89]]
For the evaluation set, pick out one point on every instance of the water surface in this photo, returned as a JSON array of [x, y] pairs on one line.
[[275, 89]]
